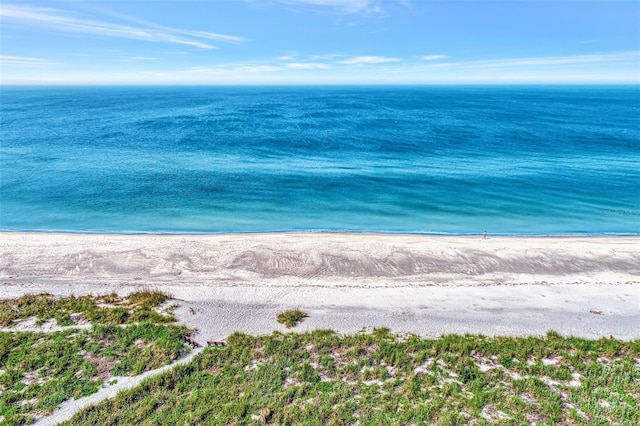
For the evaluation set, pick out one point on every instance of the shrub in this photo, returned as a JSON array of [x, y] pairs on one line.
[[292, 317]]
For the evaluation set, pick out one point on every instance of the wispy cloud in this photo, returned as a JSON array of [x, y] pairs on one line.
[[367, 60], [300, 57], [194, 33], [362, 8], [289, 56], [141, 58], [65, 21], [234, 68], [547, 61], [257, 68], [433, 57], [559, 60], [23, 61], [346, 6], [326, 57], [307, 66]]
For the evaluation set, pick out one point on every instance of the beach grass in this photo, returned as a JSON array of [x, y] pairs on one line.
[[292, 317], [69, 311], [39, 370], [378, 378]]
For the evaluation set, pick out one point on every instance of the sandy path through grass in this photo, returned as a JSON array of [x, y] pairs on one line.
[[69, 408]]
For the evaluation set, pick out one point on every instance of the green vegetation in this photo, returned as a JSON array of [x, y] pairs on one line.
[[312, 378], [39, 370], [380, 378], [68, 311], [292, 317]]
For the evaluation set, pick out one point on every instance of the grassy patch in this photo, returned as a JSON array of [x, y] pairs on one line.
[[38, 371], [67, 311], [380, 378], [291, 318], [148, 297]]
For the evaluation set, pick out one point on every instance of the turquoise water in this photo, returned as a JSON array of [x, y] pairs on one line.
[[508, 160]]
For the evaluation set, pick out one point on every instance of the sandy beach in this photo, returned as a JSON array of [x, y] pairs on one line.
[[583, 286]]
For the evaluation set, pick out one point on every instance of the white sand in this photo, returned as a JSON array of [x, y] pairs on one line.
[[428, 285]]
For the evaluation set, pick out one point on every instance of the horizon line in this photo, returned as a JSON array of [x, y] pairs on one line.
[[312, 84]]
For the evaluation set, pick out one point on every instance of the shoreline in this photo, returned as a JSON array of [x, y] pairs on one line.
[[333, 232], [429, 285]]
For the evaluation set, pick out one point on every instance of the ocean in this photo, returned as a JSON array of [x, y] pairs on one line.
[[507, 160]]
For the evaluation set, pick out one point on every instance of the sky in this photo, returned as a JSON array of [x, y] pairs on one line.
[[231, 42]]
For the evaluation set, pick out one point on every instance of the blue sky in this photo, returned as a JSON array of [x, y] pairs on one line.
[[319, 42]]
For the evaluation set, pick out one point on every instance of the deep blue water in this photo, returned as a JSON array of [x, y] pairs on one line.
[[508, 160]]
